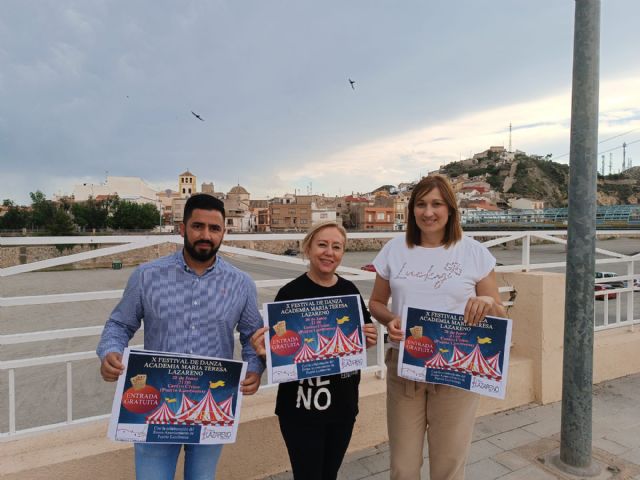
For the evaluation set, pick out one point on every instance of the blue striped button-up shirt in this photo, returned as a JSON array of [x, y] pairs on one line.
[[184, 312]]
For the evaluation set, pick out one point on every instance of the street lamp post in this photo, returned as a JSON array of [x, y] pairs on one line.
[[577, 370]]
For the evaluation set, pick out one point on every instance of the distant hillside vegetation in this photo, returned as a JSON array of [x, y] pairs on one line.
[[540, 178]]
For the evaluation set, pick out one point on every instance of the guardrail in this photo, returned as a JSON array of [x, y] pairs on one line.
[[127, 243]]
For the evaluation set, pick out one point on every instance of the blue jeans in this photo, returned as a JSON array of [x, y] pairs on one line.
[[157, 461]]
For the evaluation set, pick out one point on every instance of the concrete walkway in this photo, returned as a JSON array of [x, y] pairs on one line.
[[515, 444]]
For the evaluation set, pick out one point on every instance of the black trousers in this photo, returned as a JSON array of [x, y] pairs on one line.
[[316, 450]]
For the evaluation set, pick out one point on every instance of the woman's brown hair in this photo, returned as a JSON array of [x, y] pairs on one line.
[[453, 230]]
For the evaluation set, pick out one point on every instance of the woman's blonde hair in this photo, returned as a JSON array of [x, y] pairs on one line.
[[306, 242], [453, 229]]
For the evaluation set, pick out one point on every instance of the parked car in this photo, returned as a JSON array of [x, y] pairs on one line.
[[368, 267], [599, 287], [292, 252], [613, 283]]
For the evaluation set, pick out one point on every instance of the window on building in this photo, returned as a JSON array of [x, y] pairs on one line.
[[369, 218], [184, 190], [292, 211], [380, 216], [274, 221], [229, 221], [324, 215], [303, 220]]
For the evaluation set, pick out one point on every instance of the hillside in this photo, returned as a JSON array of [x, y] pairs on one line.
[[540, 178]]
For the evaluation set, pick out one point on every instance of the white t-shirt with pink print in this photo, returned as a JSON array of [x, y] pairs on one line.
[[437, 278]]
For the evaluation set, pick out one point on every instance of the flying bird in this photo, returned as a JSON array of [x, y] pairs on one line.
[[342, 320], [197, 116], [353, 84], [484, 340], [219, 383]]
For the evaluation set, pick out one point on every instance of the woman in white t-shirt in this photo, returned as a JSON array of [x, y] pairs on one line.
[[435, 268]]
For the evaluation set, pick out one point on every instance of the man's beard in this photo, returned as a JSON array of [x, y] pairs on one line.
[[200, 256]]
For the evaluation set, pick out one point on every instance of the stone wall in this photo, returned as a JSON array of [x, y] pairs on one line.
[[19, 255], [11, 256]]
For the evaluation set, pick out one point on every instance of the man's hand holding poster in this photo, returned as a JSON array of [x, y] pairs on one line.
[[439, 347], [175, 398], [314, 337]]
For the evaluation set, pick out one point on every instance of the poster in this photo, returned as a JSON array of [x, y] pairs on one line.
[[314, 337], [440, 348], [175, 398]]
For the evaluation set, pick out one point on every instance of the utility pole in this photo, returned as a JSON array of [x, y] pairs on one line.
[[577, 367], [603, 165], [624, 156], [510, 137], [610, 162]]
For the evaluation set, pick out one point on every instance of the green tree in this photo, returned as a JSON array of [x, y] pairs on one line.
[[90, 214], [132, 216], [61, 223], [15, 218], [42, 210]]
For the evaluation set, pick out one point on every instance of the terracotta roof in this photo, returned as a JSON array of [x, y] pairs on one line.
[[238, 190]]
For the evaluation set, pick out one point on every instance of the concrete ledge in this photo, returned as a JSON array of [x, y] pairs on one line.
[[616, 353]]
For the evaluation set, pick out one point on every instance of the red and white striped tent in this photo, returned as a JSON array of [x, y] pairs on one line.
[[475, 364], [355, 338], [305, 355], [162, 416], [338, 346], [437, 361], [457, 355], [494, 362], [185, 404], [322, 341], [226, 406], [205, 412]]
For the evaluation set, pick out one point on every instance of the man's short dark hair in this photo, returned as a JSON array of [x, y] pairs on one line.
[[203, 201]]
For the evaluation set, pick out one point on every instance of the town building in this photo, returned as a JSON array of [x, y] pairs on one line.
[[289, 216], [187, 185], [132, 189], [400, 212], [260, 212], [370, 218], [238, 212], [526, 204]]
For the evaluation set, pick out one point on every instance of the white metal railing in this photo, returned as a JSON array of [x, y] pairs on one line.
[[127, 243]]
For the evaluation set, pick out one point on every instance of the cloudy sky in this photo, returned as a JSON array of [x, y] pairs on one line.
[[89, 87]]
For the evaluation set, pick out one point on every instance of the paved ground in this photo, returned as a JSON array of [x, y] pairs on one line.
[[510, 445]]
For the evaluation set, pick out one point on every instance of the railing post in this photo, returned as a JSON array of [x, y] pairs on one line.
[[69, 393], [12, 401], [630, 299], [381, 374], [526, 252]]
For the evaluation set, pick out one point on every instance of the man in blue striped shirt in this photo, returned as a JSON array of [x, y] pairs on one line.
[[191, 302]]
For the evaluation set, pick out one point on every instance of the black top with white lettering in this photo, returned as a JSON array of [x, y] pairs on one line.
[[320, 399]]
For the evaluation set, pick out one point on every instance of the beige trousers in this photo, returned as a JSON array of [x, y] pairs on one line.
[[445, 413]]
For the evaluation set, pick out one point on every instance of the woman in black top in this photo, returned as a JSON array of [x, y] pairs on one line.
[[317, 415]]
